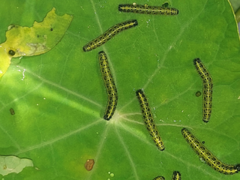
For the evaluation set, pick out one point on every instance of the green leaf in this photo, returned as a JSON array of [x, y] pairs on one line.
[[59, 97]]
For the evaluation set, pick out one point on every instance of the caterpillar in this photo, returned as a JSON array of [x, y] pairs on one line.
[[145, 9], [176, 175], [207, 156], [207, 89], [159, 178], [110, 85], [106, 36], [148, 119]]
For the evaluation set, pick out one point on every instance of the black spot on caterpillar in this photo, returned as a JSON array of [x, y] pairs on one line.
[[12, 111], [207, 89], [11, 52], [110, 85], [198, 93], [145, 9], [159, 178], [148, 119], [176, 175], [109, 34], [207, 156]]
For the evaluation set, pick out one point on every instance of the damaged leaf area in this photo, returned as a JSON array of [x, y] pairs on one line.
[[30, 41], [13, 164]]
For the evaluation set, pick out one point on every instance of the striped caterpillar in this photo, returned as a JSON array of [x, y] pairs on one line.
[[145, 9], [148, 119], [176, 175], [207, 89], [207, 156], [110, 85], [109, 34]]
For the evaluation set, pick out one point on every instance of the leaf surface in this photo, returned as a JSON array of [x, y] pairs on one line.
[[59, 97]]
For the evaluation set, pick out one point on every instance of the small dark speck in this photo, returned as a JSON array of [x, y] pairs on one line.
[[198, 93], [12, 111], [203, 142], [51, 29], [11, 52], [165, 5]]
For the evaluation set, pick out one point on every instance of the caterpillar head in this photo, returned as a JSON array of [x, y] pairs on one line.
[[237, 167]]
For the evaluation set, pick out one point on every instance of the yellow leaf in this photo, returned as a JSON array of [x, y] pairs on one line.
[[30, 41]]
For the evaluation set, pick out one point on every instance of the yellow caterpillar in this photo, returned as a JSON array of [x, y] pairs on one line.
[[145, 9], [207, 156], [110, 85], [148, 119], [176, 175], [207, 89], [109, 34]]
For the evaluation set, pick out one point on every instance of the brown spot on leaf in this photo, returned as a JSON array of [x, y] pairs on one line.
[[89, 164], [12, 111]]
